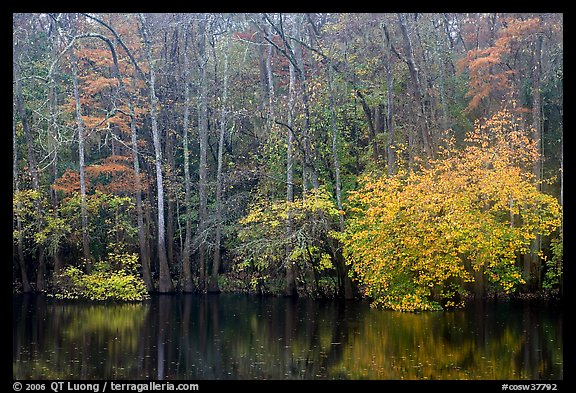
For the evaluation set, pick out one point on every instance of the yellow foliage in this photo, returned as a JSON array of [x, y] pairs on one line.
[[414, 235]]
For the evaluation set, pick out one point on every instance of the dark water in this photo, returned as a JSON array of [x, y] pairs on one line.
[[241, 337]]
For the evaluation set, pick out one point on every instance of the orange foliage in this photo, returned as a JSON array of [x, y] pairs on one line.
[[68, 183], [92, 121], [100, 56], [114, 175], [490, 75], [94, 86]]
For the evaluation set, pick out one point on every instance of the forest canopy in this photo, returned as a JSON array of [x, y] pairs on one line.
[[415, 159]]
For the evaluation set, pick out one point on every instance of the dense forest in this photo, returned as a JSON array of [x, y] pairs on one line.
[[414, 159]]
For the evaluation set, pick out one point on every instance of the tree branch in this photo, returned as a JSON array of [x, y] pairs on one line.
[[142, 74]]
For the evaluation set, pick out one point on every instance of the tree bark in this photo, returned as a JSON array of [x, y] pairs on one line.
[[165, 281], [187, 285], [26, 288], [291, 289], [270, 77], [422, 122], [213, 287], [309, 155], [32, 167], [53, 129], [390, 148], [169, 149], [142, 239], [346, 288], [80, 128], [203, 137], [142, 242], [532, 264]]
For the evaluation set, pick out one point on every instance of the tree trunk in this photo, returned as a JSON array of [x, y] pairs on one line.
[[80, 127], [345, 281], [371, 126], [422, 122], [53, 130], [142, 242], [165, 281], [263, 104], [532, 264], [270, 77], [213, 287], [390, 148], [203, 136], [26, 288], [291, 289], [440, 52], [32, 167], [170, 212], [309, 155], [187, 285], [142, 238]]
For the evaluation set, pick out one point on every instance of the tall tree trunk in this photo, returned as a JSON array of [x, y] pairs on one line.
[[390, 148], [270, 77], [32, 167], [345, 280], [203, 136], [142, 238], [26, 288], [213, 287], [532, 265], [422, 122], [309, 155], [53, 130], [439, 49], [263, 104], [370, 121], [187, 285], [291, 289], [170, 212], [80, 128], [165, 281]]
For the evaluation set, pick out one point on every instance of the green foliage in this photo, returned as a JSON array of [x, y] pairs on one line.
[[115, 278], [110, 219], [263, 238], [554, 265], [415, 239], [40, 225]]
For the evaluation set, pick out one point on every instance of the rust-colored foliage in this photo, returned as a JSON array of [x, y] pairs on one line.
[[491, 71], [114, 175], [68, 183]]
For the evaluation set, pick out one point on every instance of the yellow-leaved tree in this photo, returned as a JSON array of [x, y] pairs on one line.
[[416, 241]]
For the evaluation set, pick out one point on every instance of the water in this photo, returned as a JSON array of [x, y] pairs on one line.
[[190, 337]]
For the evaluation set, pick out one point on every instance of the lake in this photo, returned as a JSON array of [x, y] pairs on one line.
[[230, 336]]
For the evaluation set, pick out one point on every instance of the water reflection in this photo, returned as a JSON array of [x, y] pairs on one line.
[[242, 337]]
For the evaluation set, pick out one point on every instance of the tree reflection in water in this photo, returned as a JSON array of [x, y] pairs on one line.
[[228, 336]]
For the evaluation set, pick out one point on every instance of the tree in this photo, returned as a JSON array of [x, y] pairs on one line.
[[203, 139], [32, 162], [165, 283], [186, 267], [80, 128], [16, 184], [416, 239], [213, 285], [281, 106]]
